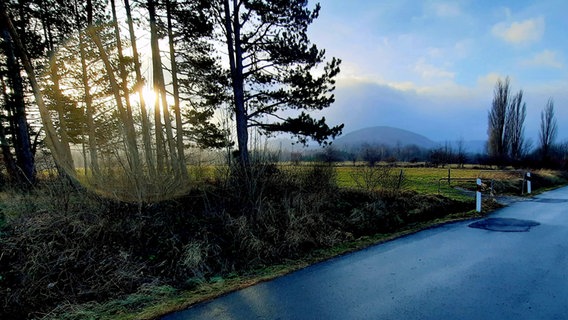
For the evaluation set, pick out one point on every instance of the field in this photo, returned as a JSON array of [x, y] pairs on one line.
[[415, 177], [426, 180]]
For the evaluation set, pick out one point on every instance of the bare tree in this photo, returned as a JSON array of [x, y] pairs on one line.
[[496, 144], [506, 124], [548, 128], [126, 111], [441, 156], [514, 131], [461, 156], [448, 152], [370, 154]]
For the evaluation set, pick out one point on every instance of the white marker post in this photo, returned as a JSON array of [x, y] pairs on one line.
[[478, 196], [529, 187]]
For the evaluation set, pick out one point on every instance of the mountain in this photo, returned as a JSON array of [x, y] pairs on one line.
[[380, 135], [383, 135]]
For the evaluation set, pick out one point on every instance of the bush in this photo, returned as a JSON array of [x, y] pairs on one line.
[[283, 217], [374, 217], [385, 178], [386, 212]]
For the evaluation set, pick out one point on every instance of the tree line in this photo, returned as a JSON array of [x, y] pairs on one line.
[[374, 154]]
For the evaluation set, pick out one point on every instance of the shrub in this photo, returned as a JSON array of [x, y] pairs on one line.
[[385, 178]]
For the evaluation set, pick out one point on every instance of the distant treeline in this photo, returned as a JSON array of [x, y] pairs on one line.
[[371, 154]]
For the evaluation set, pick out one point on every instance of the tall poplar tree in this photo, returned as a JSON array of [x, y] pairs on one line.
[[506, 124], [515, 127], [497, 120], [548, 130]]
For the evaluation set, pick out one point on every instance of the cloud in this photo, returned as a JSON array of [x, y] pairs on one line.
[[428, 71], [523, 32], [489, 80], [546, 58]]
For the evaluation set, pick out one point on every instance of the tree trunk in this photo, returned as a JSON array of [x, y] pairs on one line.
[[236, 62], [21, 136], [175, 84], [48, 126], [61, 115], [89, 111], [8, 158], [127, 116], [146, 137], [160, 87], [156, 69], [132, 153]]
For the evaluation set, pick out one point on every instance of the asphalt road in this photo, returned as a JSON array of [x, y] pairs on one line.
[[451, 272]]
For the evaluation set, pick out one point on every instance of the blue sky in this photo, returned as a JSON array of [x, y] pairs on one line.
[[431, 66]]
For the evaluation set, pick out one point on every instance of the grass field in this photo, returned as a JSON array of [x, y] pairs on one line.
[[435, 180], [424, 180]]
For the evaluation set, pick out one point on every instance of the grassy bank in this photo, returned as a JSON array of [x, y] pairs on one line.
[[67, 253], [151, 303]]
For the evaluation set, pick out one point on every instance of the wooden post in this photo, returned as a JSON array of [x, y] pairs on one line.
[[401, 175]]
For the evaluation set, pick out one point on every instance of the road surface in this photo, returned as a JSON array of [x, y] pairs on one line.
[[451, 272]]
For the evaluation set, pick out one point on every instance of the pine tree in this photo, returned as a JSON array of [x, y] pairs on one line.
[[272, 67], [201, 85]]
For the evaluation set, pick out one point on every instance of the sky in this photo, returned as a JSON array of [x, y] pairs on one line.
[[431, 66]]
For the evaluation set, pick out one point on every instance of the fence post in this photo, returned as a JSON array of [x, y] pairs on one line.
[[478, 196], [449, 175], [529, 187], [400, 176]]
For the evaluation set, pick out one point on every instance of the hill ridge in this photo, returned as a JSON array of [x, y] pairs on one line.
[[387, 135]]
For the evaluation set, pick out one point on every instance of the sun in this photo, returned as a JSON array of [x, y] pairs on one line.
[[149, 95]]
